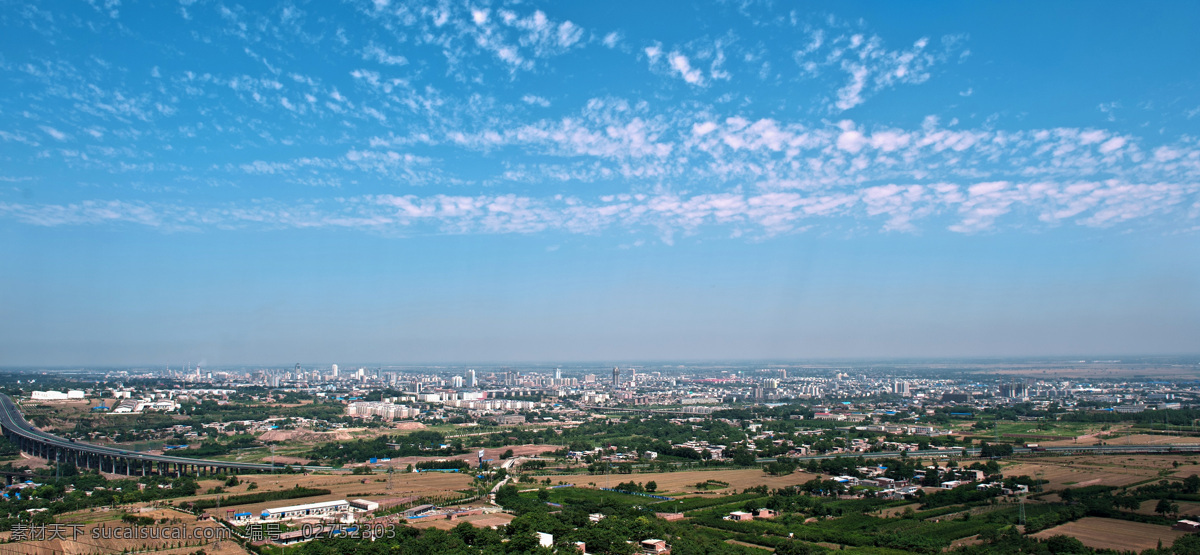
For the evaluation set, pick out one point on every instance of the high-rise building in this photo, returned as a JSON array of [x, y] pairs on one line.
[[1014, 390], [335, 371], [616, 377], [471, 382], [558, 373], [901, 388], [456, 381]]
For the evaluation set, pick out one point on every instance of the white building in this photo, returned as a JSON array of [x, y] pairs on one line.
[[49, 397], [386, 411], [310, 509]]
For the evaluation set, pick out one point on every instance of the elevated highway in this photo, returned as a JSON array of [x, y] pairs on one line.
[[110, 459]]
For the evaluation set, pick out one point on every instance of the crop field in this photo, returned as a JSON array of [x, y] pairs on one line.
[[1187, 509], [342, 486], [87, 521], [1063, 472], [897, 511], [674, 483], [1058, 429], [1120, 535], [478, 521]]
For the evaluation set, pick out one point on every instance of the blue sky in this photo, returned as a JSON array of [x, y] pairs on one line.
[[510, 181]]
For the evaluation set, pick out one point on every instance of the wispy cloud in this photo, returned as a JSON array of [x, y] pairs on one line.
[[479, 101], [973, 208]]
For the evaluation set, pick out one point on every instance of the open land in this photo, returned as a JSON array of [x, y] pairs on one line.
[[87, 521], [1091, 470], [478, 521], [341, 486], [1108, 533]]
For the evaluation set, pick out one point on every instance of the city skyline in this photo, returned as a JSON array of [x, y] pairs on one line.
[[503, 181]]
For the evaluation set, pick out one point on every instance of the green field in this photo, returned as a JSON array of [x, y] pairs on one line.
[[1065, 430]]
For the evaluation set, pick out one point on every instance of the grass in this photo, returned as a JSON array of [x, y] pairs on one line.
[[697, 503], [567, 496], [1058, 429]]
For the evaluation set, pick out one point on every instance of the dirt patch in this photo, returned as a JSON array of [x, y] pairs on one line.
[[897, 511], [283, 459], [479, 521], [31, 461], [963, 542], [303, 436], [1120, 535], [341, 486], [747, 544], [1079, 471], [1118, 437]]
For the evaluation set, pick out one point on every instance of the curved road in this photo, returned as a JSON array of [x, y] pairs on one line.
[[31, 439]]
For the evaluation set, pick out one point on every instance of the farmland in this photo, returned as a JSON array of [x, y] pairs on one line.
[[1107, 533], [479, 521], [343, 486], [87, 522], [1081, 471]]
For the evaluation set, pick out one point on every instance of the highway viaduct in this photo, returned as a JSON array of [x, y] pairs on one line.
[[110, 459]]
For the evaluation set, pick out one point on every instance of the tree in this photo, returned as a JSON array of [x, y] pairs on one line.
[[1191, 484], [1066, 544], [742, 457], [1165, 507], [793, 547], [508, 454], [651, 486], [997, 450]]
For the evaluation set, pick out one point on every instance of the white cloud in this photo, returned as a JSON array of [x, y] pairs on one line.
[[378, 54], [1112, 144], [54, 133], [535, 100], [653, 52], [850, 95], [666, 214], [680, 64]]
